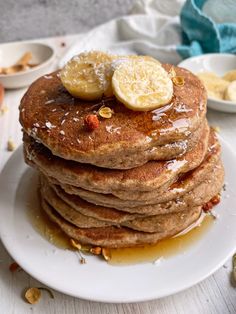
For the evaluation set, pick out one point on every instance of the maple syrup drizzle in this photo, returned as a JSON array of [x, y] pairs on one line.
[[125, 256]]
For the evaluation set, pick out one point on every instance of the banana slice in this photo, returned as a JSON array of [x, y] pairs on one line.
[[141, 84], [230, 76], [215, 85], [88, 75], [230, 93]]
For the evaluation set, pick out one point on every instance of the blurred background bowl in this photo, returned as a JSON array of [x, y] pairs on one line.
[[42, 55], [218, 63]]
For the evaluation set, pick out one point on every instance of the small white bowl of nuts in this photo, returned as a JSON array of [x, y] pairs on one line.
[[218, 73], [23, 62]]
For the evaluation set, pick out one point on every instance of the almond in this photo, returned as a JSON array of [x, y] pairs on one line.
[[2, 92]]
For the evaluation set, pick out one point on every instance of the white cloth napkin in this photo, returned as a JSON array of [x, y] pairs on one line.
[[153, 29]]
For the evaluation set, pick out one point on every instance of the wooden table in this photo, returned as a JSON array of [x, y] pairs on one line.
[[214, 295]]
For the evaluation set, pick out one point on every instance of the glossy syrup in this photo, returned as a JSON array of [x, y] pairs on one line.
[[126, 256], [163, 249], [44, 226]]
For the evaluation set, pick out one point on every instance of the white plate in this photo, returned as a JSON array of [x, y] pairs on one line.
[[219, 63], [96, 280]]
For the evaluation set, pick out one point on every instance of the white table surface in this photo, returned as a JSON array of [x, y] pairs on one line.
[[214, 295]]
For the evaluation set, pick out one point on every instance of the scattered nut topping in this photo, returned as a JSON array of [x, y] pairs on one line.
[[75, 244], [11, 146], [172, 73], [2, 92], [234, 267], [209, 205], [21, 65], [82, 260], [78, 247], [178, 80], [3, 110], [96, 250], [106, 254], [14, 267], [91, 122], [216, 129], [32, 295], [105, 112]]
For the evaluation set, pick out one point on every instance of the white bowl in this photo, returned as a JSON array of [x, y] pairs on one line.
[[10, 53], [219, 63]]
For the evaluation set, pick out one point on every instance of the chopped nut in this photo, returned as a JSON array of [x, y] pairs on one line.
[[3, 110], [91, 122], [209, 205], [21, 65], [172, 73], [216, 129], [11, 146], [105, 112], [75, 244], [106, 254], [96, 250], [14, 267], [82, 260], [32, 295], [2, 92], [178, 80]]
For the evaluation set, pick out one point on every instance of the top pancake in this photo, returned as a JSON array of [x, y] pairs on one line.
[[54, 117]]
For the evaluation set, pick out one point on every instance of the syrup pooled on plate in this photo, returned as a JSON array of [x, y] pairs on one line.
[[44, 226], [163, 249], [124, 256]]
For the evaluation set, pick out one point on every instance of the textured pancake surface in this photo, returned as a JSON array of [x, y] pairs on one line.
[[199, 195], [52, 116], [151, 176], [185, 183], [115, 237]]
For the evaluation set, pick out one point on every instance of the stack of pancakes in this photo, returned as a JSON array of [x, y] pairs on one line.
[[137, 178]]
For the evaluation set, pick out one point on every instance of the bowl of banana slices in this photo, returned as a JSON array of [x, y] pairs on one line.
[[217, 71]]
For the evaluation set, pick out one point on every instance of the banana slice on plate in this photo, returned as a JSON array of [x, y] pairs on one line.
[[230, 76], [215, 85], [141, 84], [230, 93], [88, 75]]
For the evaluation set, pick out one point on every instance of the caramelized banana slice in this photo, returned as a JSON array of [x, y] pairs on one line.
[[141, 84], [88, 75]]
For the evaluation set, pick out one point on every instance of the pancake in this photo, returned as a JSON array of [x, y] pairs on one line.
[[150, 224], [115, 237], [56, 119], [184, 184], [151, 176], [51, 191], [200, 195]]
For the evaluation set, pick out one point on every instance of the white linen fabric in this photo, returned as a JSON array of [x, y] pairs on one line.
[[153, 28]]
